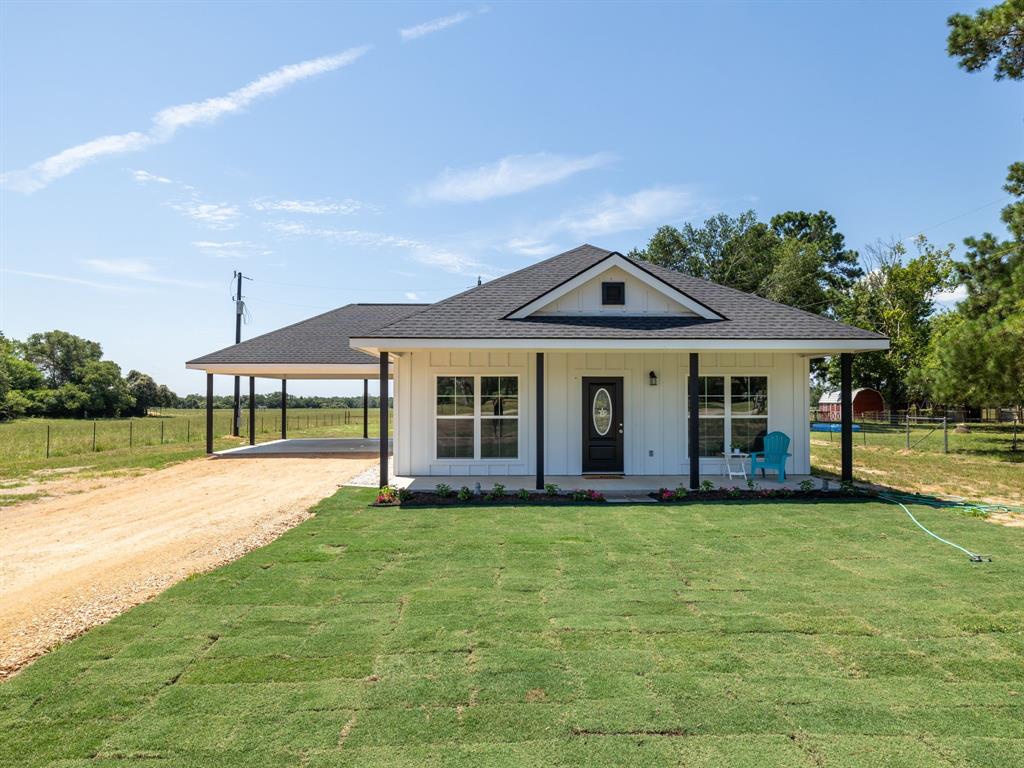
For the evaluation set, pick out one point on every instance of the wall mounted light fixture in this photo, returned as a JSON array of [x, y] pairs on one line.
[[652, 377]]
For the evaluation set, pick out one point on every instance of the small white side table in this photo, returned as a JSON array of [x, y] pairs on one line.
[[740, 458]]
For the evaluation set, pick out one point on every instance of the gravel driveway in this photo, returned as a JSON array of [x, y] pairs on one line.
[[72, 562]]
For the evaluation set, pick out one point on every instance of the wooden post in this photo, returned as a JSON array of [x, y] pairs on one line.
[[284, 409], [94, 436], [209, 413], [383, 398], [908, 430], [694, 423], [252, 410], [945, 436], [846, 410], [366, 409], [47, 440], [540, 421]]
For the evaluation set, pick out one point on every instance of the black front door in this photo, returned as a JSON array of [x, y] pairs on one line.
[[602, 425]]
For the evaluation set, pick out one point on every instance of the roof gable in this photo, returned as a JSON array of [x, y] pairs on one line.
[[575, 295]]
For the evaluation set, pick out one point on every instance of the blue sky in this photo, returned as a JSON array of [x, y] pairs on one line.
[[393, 152]]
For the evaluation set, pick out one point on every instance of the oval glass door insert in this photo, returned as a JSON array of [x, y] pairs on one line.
[[602, 411]]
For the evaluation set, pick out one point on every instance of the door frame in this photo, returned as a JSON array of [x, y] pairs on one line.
[[620, 385]]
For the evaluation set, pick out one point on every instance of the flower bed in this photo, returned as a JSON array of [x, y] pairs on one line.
[[443, 495]]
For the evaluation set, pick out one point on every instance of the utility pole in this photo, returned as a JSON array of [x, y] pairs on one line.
[[236, 416]]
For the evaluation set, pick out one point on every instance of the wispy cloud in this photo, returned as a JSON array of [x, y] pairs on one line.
[[145, 177], [528, 246], [646, 208], [953, 297], [316, 207], [136, 269], [509, 176], [220, 216], [66, 279], [169, 121], [413, 296], [230, 249], [436, 25], [424, 253]]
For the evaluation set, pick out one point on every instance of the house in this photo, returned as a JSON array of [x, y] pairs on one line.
[[587, 363], [865, 400]]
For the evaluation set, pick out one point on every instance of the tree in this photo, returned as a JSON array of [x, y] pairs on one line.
[[143, 390], [895, 299], [60, 355], [799, 258], [992, 34], [106, 393]]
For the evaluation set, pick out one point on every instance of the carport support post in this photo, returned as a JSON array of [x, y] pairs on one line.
[[284, 409], [252, 410], [209, 413], [540, 421], [846, 411], [383, 403], [366, 408], [693, 443]]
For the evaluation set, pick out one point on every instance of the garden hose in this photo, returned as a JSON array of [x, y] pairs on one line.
[[959, 503]]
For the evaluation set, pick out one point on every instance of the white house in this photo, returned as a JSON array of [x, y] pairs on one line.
[[588, 363]]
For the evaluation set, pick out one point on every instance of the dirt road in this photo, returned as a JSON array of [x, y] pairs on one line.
[[72, 562]]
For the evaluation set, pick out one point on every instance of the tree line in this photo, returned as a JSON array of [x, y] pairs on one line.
[[59, 374], [971, 355]]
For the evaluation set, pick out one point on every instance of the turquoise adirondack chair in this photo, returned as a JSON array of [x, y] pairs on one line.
[[774, 455]]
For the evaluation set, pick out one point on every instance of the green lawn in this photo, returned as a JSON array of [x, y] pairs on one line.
[[772, 634]]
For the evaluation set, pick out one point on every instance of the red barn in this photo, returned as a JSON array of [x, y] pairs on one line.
[[864, 401]]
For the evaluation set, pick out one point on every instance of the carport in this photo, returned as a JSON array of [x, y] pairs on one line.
[[317, 348]]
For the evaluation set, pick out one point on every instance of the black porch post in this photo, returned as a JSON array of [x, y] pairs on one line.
[[366, 408], [383, 419], [540, 421], [693, 445], [284, 409], [209, 413], [846, 409], [252, 410]]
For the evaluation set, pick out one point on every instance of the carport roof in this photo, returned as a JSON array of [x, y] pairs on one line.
[[319, 341]]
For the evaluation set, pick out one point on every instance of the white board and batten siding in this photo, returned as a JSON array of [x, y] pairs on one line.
[[655, 416]]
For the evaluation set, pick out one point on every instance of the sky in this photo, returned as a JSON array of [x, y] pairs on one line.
[[341, 153]]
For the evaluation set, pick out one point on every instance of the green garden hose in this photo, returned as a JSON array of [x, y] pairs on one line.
[[952, 502]]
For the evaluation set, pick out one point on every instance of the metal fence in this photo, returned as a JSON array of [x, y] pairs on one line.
[[934, 434], [46, 438]]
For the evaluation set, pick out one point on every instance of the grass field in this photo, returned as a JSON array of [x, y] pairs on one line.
[[772, 634], [980, 465], [155, 440]]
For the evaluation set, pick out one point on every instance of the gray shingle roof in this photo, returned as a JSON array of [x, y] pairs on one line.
[[481, 312], [320, 340]]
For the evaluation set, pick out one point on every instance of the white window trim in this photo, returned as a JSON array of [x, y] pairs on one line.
[[478, 417], [727, 416]]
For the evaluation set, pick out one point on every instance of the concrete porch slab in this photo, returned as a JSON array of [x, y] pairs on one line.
[[311, 447]]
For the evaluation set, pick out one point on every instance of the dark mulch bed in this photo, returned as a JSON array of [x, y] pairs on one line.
[[431, 499]]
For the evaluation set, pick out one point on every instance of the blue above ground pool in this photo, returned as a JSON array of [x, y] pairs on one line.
[[830, 426]]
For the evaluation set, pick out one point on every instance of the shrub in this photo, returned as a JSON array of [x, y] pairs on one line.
[[497, 492], [404, 494], [806, 485], [465, 494], [707, 485], [524, 495], [388, 495], [551, 489], [668, 494], [733, 493], [443, 490], [582, 494], [751, 485]]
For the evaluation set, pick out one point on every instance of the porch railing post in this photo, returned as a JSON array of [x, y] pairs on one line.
[[540, 421], [252, 410], [383, 398], [846, 408], [209, 413], [694, 420], [366, 409], [284, 409]]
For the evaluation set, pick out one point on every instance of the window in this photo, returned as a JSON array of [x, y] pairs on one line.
[[733, 412], [613, 293], [748, 415], [499, 417], [455, 417], [472, 406]]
